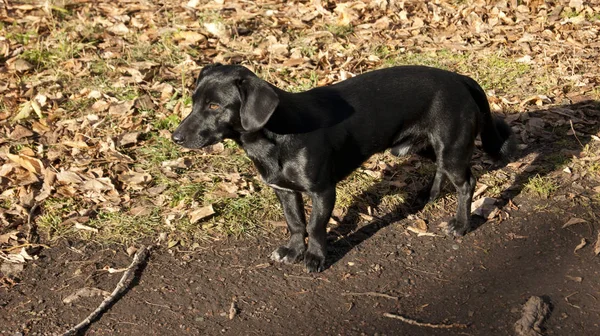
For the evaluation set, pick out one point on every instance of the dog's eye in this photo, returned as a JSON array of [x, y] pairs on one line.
[[213, 107]]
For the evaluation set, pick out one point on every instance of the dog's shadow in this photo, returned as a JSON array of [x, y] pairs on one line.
[[546, 133]]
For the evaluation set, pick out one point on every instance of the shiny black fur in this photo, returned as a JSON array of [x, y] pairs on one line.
[[309, 141]]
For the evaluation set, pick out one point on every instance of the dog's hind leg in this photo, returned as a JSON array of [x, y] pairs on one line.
[[454, 162], [323, 203], [293, 209], [436, 185]]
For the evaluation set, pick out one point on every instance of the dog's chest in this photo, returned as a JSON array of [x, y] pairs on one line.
[[283, 171]]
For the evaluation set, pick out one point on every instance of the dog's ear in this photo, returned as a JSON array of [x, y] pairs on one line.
[[259, 101]]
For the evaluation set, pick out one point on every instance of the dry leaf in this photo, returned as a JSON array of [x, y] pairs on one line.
[[135, 180], [597, 245], [80, 226], [203, 212], [68, 177], [573, 221], [98, 184], [484, 207], [32, 164], [85, 292], [580, 246]]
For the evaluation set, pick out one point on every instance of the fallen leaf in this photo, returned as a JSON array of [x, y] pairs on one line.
[[24, 111], [573, 221], [85, 292], [129, 138], [580, 246], [85, 227], [98, 184], [20, 132], [576, 279], [597, 245], [119, 29], [484, 207], [135, 180], [22, 65], [32, 164], [11, 270], [68, 177], [203, 212]]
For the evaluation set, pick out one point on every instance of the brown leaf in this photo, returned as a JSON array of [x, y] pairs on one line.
[[574, 221], [68, 177], [119, 29], [31, 164], [129, 138], [188, 37], [135, 180], [580, 245], [20, 132], [121, 109], [24, 111], [597, 245], [85, 292], [22, 65], [203, 212], [483, 207], [98, 184], [420, 224]]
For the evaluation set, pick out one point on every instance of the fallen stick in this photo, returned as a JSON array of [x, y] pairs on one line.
[[428, 325], [371, 294], [139, 257], [32, 235]]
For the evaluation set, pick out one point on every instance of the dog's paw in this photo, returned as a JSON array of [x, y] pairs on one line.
[[454, 229], [287, 255], [313, 262]]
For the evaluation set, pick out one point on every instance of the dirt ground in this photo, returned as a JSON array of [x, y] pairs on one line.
[[480, 280]]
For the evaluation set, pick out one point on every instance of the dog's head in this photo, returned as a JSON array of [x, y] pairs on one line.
[[228, 100]]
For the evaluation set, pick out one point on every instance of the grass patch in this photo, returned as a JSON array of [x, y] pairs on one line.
[[339, 31], [53, 212], [542, 186], [168, 123], [125, 228], [157, 150]]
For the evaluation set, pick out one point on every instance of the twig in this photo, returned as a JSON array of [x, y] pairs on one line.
[[305, 277], [23, 245], [371, 294], [569, 303], [31, 229], [138, 259], [428, 325], [575, 133]]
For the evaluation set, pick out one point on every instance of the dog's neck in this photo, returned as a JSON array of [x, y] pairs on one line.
[[263, 148], [308, 111]]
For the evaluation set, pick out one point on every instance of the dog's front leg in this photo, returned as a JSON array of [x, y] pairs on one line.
[[322, 206], [293, 209]]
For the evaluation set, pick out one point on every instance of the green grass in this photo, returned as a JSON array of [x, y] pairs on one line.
[[340, 31], [168, 123], [122, 227], [542, 186], [52, 217]]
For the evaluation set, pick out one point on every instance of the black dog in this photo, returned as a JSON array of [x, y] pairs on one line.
[[309, 141]]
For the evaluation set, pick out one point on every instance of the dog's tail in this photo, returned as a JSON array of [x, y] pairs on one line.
[[497, 137]]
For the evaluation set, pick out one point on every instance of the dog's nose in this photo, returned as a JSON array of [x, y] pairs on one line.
[[178, 137]]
